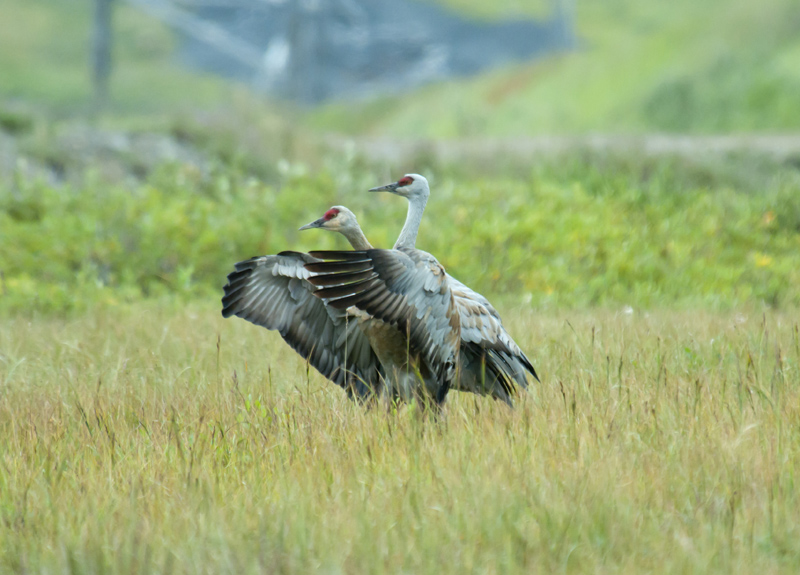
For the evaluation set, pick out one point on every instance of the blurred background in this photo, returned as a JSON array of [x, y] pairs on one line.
[[581, 152]]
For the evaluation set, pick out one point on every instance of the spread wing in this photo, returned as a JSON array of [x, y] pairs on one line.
[[274, 292], [491, 362], [405, 288]]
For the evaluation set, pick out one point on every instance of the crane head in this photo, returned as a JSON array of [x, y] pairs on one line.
[[409, 186], [336, 219]]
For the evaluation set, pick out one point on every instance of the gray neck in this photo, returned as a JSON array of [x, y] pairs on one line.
[[408, 235], [356, 238]]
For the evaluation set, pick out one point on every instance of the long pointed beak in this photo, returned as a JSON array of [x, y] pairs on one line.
[[315, 224], [387, 188]]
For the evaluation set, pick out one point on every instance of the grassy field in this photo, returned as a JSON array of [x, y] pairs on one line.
[[151, 439], [657, 295]]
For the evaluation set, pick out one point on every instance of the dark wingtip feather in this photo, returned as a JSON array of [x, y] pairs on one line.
[[526, 363], [339, 279], [343, 302], [331, 267], [236, 281], [245, 264], [338, 255], [348, 289], [229, 306]]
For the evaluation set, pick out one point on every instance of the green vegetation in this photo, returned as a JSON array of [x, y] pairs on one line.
[[149, 440], [575, 232]]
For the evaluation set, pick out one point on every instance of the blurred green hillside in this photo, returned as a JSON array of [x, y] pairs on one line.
[[683, 66]]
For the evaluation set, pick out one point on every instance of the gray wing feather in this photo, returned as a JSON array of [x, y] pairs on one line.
[[406, 288], [274, 292], [492, 363]]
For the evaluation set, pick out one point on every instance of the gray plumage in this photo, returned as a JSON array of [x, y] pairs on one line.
[[408, 290], [274, 292], [415, 323], [491, 363]]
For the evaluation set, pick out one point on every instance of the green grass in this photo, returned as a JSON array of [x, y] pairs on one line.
[[150, 440]]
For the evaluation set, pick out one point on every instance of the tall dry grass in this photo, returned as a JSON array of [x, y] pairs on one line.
[[149, 440]]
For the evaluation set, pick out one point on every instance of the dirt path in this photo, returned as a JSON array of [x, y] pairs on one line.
[[778, 147]]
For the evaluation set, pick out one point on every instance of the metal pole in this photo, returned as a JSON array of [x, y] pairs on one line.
[[101, 52], [565, 16]]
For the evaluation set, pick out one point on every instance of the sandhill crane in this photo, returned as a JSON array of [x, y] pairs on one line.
[[364, 354], [274, 292], [406, 292], [486, 345], [490, 361]]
